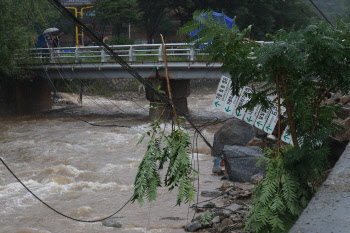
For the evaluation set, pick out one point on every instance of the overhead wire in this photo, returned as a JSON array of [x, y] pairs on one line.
[[137, 76], [319, 10], [63, 79], [76, 219], [72, 114], [118, 59]]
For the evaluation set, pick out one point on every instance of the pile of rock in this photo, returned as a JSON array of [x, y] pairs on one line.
[[227, 212], [343, 114]]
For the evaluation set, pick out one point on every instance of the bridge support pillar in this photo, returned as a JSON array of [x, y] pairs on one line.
[[24, 96], [180, 90]]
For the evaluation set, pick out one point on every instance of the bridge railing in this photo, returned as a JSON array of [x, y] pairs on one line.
[[130, 53]]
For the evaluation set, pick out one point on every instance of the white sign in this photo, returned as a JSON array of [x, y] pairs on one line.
[[273, 119], [262, 118], [243, 99], [286, 137], [231, 102], [251, 115], [222, 92]]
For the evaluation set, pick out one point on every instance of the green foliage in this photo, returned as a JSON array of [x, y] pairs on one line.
[[122, 39], [279, 199], [206, 218], [308, 64], [113, 13], [19, 20], [162, 148], [266, 16]]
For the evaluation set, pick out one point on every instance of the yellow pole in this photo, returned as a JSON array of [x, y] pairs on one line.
[[76, 27], [82, 15]]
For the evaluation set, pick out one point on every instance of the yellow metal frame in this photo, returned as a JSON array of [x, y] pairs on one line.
[[76, 27]]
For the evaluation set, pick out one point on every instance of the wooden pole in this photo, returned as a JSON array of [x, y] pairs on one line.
[[289, 113], [279, 116], [168, 80]]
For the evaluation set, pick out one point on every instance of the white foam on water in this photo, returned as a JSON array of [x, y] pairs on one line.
[[117, 167], [22, 230]]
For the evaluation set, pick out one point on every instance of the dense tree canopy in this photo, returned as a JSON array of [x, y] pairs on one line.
[[21, 22], [114, 13]]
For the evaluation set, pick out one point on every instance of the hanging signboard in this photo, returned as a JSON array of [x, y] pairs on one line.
[[265, 120], [251, 115], [286, 137], [222, 92], [273, 118], [231, 102], [262, 118], [243, 99]]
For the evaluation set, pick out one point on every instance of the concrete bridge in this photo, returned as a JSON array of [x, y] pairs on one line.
[[185, 63]]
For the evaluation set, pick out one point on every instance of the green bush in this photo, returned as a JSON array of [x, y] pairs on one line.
[[122, 39]]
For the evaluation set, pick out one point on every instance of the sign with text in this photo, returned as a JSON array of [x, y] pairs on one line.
[[243, 99], [231, 102], [264, 119], [251, 115], [286, 137], [222, 92]]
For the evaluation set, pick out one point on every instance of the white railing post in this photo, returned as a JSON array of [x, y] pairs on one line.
[[131, 54], [103, 55], [76, 54], [52, 60], [160, 53], [192, 54]]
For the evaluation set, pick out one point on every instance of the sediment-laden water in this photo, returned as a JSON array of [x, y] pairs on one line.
[[87, 172]]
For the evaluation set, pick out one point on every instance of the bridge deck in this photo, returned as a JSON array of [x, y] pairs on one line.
[[177, 70]]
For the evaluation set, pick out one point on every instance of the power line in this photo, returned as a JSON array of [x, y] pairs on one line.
[[323, 15], [118, 59], [72, 218]]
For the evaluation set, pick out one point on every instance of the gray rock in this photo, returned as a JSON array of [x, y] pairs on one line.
[[216, 219], [226, 222], [257, 178], [213, 193], [112, 222], [171, 218], [257, 142], [222, 213], [234, 132], [241, 162], [193, 226], [209, 205], [217, 170], [234, 207], [343, 113]]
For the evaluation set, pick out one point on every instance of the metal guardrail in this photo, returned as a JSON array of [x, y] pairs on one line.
[[131, 53]]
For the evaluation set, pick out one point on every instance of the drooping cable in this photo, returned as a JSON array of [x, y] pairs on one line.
[[72, 218], [118, 59], [323, 15]]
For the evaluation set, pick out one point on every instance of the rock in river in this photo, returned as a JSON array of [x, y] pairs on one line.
[[234, 132], [240, 162]]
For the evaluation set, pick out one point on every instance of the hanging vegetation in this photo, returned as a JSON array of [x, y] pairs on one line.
[[175, 148], [301, 68]]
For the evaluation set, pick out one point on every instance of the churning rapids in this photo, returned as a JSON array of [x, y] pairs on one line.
[[87, 172]]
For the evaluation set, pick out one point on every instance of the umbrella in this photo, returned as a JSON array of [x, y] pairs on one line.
[[50, 30]]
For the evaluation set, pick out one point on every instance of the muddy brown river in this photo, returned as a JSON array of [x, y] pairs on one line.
[[87, 172]]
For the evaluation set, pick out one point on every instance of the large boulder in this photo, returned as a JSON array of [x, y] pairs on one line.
[[234, 132], [241, 162]]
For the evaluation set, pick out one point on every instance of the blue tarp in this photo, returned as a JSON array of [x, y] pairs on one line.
[[228, 21], [41, 43]]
